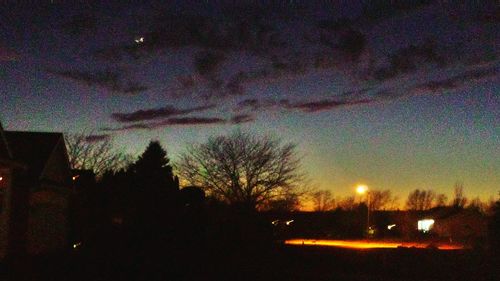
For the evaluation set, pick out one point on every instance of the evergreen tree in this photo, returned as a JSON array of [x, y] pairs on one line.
[[156, 190], [153, 171]]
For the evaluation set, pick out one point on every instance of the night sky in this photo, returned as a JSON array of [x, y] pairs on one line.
[[398, 97]]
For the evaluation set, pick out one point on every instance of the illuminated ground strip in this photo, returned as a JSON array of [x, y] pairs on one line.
[[365, 244]]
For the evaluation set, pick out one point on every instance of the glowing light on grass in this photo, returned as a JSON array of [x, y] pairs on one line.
[[361, 244]]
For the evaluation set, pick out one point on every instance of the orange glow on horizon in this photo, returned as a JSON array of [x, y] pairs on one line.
[[362, 244]]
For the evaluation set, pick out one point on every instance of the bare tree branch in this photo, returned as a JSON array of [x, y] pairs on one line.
[[323, 201], [420, 200], [242, 169], [89, 152]]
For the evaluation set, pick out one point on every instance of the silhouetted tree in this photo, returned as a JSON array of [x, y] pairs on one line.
[[192, 196], [88, 152], [156, 193], [494, 232], [381, 199], [121, 196], [477, 205], [459, 200], [323, 201], [153, 171], [242, 169], [419, 200], [441, 200], [286, 203], [347, 203]]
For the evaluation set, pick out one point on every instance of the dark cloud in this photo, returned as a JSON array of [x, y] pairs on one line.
[[344, 38], [192, 121], [237, 83], [207, 62], [408, 60], [157, 113], [112, 80], [258, 104], [242, 118], [356, 93], [490, 18], [186, 82], [336, 24], [97, 138], [237, 48], [438, 86], [326, 104], [292, 64], [373, 11], [118, 53], [477, 74], [181, 121], [174, 30], [105, 78], [305, 106], [253, 104], [80, 24], [134, 88], [389, 94], [457, 81], [382, 10], [7, 54], [370, 95], [139, 126], [166, 31], [353, 43]]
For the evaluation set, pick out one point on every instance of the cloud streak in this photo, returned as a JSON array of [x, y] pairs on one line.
[[80, 24], [8, 54], [409, 59], [174, 121], [97, 138], [456, 82], [304, 106], [112, 80], [158, 113], [325, 104], [242, 118]]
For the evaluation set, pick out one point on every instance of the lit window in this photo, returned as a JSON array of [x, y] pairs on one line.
[[425, 225]]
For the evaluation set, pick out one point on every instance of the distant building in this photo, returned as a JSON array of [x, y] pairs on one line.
[[460, 224], [35, 189]]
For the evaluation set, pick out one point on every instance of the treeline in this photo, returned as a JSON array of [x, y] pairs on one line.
[[136, 221], [417, 200], [212, 193]]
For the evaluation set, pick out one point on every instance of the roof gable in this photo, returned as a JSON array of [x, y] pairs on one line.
[[4, 148], [33, 149]]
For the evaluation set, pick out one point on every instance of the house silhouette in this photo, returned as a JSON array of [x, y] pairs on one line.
[[35, 189]]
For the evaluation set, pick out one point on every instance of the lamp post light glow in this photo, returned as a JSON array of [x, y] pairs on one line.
[[362, 189]]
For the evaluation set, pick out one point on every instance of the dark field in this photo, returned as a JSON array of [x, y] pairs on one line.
[[255, 263]]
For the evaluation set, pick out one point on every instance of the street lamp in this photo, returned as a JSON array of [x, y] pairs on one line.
[[362, 189]]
